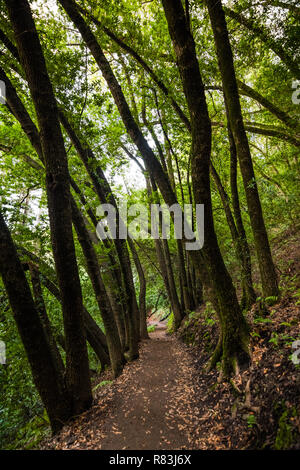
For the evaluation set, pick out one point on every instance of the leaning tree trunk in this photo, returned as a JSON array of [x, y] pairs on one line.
[[41, 308], [187, 304], [105, 195], [142, 293], [176, 305], [164, 259], [58, 193], [234, 331], [46, 372], [48, 279], [230, 88], [94, 334], [212, 273], [248, 293], [112, 336]]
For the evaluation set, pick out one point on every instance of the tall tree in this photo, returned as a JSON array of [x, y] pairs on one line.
[[226, 65], [142, 292], [46, 371], [105, 195], [93, 268], [58, 193], [233, 344]]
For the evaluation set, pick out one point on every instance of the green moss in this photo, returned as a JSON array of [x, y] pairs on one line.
[[285, 436], [170, 324]]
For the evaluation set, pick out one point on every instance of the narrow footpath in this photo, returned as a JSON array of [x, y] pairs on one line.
[[150, 406]]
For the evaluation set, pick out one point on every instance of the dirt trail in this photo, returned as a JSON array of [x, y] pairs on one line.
[[150, 406]]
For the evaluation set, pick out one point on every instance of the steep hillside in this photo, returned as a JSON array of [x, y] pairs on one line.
[[260, 408]]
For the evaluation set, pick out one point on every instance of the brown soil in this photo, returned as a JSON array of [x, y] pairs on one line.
[[167, 399], [149, 406], [266, 414]]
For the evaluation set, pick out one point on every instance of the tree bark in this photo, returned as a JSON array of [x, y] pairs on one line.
[[46, 372], [271, 107], [225, 60], [105, 195], [95, 335], [144, 65], [93, 268], [249, 295], [58, 193], [234, 331], [41, 309], [142, 293], [242, 254], [153, 165], [164, 259]]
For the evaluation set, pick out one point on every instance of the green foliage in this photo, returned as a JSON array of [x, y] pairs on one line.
[[209, 314], [251, 421], [271, 300], [20, 402], [22, 417], [151, 328], [262, 320], [170, 323], [274, 339], [254, 334], [104, 383], [29, 436], [284, 437], [297, 296]]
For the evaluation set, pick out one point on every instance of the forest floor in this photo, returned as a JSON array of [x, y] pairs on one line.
[[152, 405], [167, 400], [262, 408]]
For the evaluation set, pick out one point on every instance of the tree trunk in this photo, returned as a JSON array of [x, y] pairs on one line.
[[41, 309], [153, 165], [46, 372], [225, 59], [234, 331], [105, 195], [211, 272], [57, 183], [142, 293], [114, 295], [186, 304], [248, 293], [95, 335], [93, 268], [164, 259], [177, 308]]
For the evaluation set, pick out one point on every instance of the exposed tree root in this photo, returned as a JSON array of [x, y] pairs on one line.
[[230, 361]]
